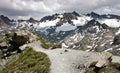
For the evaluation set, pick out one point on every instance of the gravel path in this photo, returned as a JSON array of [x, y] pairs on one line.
[[69, 61], [73, 61]]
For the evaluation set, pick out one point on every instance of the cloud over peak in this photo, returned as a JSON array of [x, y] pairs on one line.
[[39, 8]]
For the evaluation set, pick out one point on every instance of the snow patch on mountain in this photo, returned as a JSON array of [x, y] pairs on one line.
[[81, 21], [108, 49], [118, 32], [25, 24], [114, 23], [61, 16], [97, 29], [65, 27], [64, 45], [48, 23]]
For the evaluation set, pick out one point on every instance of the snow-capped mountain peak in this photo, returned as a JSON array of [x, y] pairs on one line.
[[114, 23], [58, 26], [86, 32]]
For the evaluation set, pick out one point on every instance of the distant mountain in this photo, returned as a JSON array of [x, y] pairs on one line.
[[6, 20], [5, 24], [67, 40], [108, 16], [58, 26], [90, 32], [32, 20]]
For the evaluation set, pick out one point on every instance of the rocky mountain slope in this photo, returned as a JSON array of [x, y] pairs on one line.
[[57, 26], [88, 32]]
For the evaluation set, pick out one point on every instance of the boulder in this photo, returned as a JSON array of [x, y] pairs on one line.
[[20, 39], [106, 58], [14, 43]]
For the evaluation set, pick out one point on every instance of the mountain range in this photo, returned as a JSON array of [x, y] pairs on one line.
[[89, 32]]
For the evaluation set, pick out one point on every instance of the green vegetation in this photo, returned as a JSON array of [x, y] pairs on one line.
[[110, 68], [93, 63], [1, 55], [46, 44], [91, 72], [115, 65], [1, 40], [8, 36], [104, 70], [28, 61]]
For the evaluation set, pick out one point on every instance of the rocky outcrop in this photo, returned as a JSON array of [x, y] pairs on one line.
[[105, 64], [19, 39], [13, 44], [106, 58], [32, 20], [116, 40], [5, 19]]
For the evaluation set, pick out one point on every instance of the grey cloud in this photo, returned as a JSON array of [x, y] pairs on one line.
[[37, 0], [39, 8]]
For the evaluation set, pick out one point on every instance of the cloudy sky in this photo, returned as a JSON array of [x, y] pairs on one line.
[[38, 8]]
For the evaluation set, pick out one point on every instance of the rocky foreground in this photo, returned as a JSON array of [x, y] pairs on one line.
[[63, 60], [73, 61]]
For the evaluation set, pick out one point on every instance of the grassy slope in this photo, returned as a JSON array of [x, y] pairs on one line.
[[46, 44], [28, 61]]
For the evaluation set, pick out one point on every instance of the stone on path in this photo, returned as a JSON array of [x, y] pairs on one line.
[[106, 58]]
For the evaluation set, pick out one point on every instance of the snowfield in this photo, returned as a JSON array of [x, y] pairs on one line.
[[65, 27], [114, 23], [81, 21], [48, 23]]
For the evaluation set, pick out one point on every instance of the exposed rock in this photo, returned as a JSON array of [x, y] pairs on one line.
[[101, 63], [31, 20], [65, 50], [94, 15], [115, 52], [5, 19], [116, 40], [20, 39], [75, 13], [106, 58], [14, 41], [3, 44], [106, 55]]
